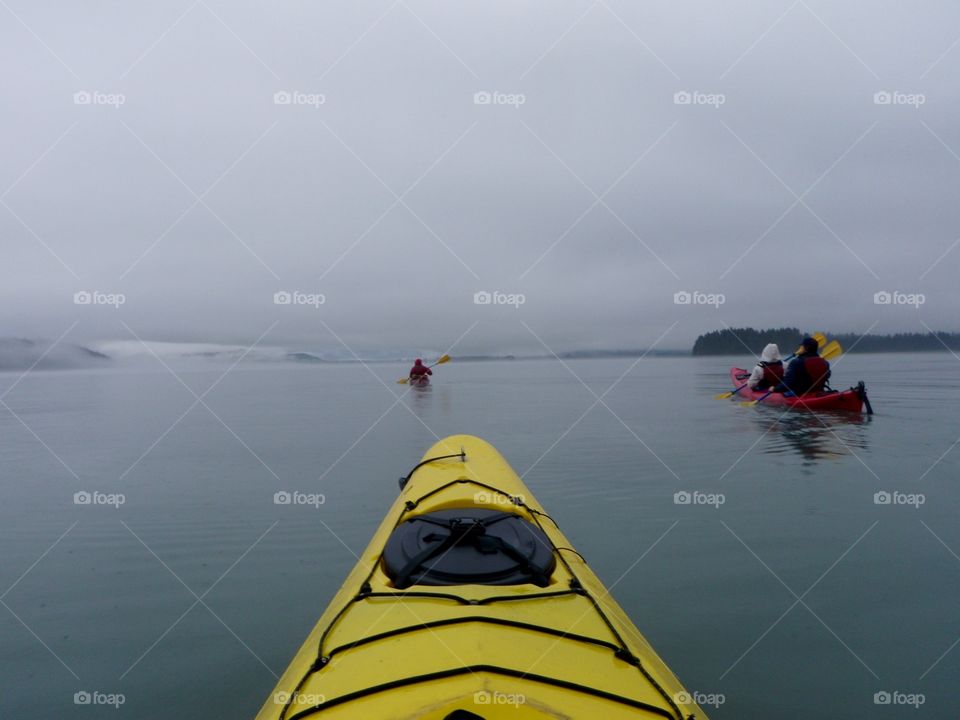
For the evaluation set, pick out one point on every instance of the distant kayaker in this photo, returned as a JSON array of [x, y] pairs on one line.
[[807, 373], [419, 370], [768, 372]]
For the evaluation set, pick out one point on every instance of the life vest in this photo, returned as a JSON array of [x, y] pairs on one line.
[[818, 370], [772, 373]]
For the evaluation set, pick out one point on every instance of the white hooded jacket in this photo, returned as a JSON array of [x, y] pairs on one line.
[[771, 353]]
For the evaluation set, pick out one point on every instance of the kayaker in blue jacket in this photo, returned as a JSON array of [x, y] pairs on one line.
[[807, 373]]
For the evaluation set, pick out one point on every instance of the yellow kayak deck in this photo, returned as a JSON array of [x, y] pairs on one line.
[[475, 651]]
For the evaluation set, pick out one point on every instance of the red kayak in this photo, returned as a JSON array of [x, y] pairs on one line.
[[851, 400], [420, 381]]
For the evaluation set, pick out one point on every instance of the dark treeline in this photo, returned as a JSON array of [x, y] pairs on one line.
[[739, 341]]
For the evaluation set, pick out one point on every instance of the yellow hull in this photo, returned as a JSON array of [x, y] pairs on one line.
[[563, 650]]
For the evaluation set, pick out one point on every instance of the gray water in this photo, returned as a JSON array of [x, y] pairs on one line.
[[113, 606]]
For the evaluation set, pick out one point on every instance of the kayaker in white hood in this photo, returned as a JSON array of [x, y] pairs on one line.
[[769, 371]]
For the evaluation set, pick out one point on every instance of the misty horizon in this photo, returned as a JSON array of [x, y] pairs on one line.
[[200, 163]]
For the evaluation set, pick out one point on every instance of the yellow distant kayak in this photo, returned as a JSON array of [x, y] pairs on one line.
[[470, 604]]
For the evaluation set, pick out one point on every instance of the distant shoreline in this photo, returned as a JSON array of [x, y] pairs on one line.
[[669, 354], [740, 341], [19, 355]]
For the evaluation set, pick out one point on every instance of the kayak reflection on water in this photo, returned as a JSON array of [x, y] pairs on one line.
[[815, 436]]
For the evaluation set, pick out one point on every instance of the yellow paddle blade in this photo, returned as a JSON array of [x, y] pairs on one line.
[[831, 351], [723, 396], [403, 381], [748, 403]]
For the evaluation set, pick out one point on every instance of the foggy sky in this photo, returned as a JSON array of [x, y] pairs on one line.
[[495, 197]]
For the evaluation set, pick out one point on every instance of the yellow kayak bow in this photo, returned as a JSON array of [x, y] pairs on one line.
[[470, 603]]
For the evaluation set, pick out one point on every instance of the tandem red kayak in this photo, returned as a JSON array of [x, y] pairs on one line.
[[851, 400]]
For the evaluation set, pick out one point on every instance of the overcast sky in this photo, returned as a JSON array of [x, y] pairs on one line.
[[777, 180]]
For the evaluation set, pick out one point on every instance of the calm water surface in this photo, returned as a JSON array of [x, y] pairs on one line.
[[797, 597]]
